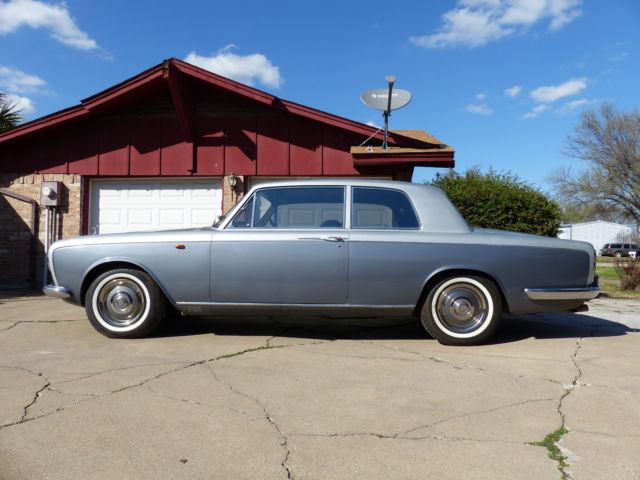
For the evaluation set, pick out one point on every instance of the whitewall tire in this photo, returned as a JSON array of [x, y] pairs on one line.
[[462, 310], [124, 303]]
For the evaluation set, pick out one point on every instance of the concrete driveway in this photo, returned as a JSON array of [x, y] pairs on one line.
[[275, 398]]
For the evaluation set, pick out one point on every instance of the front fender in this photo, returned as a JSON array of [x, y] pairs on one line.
[[104, 264]]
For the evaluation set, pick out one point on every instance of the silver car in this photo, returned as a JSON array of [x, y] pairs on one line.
[[340, 248]]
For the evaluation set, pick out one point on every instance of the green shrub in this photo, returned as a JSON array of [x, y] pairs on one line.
[[501, 201]]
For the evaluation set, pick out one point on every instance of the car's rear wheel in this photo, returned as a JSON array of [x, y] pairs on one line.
[[462, 310], [617, 254], [124, 303]]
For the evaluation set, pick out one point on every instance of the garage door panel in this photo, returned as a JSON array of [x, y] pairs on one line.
[[125, 205]]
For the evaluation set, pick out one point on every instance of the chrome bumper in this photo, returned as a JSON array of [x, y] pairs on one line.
[[56, 291], [585, 294]]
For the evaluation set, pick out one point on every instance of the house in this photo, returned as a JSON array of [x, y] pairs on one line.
[[173, 147], [597, 233]]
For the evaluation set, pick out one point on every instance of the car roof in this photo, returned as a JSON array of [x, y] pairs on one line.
[[360, 182], [434, 209]]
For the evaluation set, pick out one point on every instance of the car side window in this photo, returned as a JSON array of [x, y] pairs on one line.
[[382, 208], [299, 208]]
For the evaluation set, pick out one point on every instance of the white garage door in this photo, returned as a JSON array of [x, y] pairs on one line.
[[127, 205]]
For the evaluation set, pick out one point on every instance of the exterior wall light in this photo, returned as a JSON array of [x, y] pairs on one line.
[[233, 181]]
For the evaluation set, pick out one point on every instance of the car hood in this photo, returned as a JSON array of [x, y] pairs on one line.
[[181, 235]]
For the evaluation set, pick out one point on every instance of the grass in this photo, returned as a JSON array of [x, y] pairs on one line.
[[550, 442], [605, 259], [610, 284], [606, 272]]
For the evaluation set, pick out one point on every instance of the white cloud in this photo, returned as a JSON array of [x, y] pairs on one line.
[[513, 92], [473, 23], [15, 14], [618, 57], [481, 96], [572, 105], [247, 69], [575, 104], [16, 81], [479, 109], [371, 123], [535, 111], [554, 92], [25, 105]]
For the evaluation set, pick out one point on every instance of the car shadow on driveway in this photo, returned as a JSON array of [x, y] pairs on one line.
[[512, 328]]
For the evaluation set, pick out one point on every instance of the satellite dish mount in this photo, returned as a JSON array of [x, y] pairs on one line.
[[390, 79], [386, 100]]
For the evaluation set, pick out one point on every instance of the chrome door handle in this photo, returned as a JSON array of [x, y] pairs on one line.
[[326, 238], [333, 238]]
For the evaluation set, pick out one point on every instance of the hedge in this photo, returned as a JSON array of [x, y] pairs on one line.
[[501, 201]]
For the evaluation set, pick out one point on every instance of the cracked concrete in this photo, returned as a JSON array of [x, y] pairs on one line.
[[316, 398]]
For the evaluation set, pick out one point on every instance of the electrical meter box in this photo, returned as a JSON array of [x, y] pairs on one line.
[[51, 194]]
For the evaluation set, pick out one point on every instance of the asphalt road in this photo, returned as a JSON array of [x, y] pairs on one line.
[[322, 399]]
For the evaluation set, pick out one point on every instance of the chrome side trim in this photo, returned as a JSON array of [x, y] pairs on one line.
[[330, 310], [562, 293], [56, 291], [318, 306]]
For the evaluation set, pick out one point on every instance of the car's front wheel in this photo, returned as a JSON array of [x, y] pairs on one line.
[[462, 310], [124, 303]]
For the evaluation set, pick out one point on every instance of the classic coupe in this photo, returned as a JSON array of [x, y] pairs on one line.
[[334, 248]]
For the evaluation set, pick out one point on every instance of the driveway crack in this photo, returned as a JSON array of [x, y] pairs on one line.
[[284, 441], [34, 399], [552, 440]]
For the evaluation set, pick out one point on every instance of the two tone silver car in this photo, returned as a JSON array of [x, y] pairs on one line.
[[339, 248]]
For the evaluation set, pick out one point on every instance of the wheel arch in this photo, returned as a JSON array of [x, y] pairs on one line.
[[447, 272], [105, 265]]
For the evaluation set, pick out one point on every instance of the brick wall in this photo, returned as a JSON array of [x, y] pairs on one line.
[[15, 222]]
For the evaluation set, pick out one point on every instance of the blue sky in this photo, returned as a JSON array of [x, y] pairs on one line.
[[458, 58]]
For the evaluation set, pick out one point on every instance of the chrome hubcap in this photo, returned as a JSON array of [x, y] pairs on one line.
[[121, 302], [462, 308]]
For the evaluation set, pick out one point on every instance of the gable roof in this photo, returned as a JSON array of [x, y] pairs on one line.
[[173, 68]]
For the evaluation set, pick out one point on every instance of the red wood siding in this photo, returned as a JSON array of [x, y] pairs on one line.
[[176, 156], [83, 150], [146, 140], [273, 145], [335, 153], [53, 151], [240, 151], [145, 148], [305, 148], [113, 156], [210, 146]]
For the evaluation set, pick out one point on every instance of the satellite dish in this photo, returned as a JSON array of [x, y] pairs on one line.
[[386, 99], [378, 98]]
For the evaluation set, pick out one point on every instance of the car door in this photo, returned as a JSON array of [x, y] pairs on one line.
[[285, 246], [386, 268]]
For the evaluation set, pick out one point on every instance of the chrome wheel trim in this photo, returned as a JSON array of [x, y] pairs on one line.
[[462, 307], [121, 302]]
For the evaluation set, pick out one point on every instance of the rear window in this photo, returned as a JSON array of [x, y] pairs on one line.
[[382, 208], [616, 245]]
